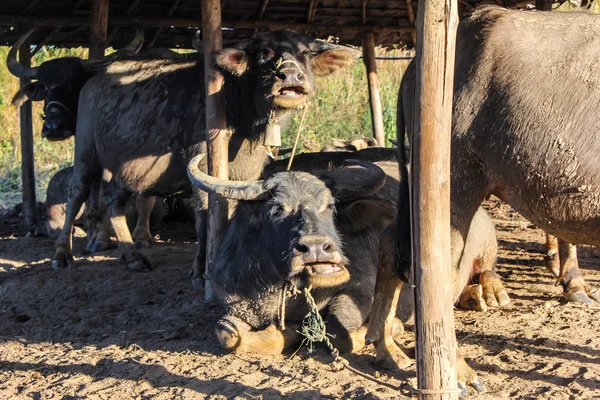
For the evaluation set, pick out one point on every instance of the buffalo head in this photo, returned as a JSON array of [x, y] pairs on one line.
[[284, 227], [279, 67], [59, 83]]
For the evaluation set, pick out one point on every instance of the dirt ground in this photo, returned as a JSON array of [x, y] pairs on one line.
[[103, 332]]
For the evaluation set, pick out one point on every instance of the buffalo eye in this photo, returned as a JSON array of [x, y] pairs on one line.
[[264, 55], [277, 210]]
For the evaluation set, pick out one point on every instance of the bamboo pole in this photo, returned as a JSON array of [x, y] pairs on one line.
[[27, 157], [374, 89], [98, 29], [216, 130], [434, 319]]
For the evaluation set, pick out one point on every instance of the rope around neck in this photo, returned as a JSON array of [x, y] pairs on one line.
[[300, 126]]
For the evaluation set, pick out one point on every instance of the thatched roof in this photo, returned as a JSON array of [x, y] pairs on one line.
[[171, 23]]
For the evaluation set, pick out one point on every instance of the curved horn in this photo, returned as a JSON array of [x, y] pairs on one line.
[[348, 185], [235, 190], [134, 46], [15, 67], [197, 42], [137, 42]]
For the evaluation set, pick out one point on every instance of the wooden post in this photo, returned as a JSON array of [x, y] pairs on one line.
[[434, 318], [98, 28], [216, 129], [27, 158], [374, 90]]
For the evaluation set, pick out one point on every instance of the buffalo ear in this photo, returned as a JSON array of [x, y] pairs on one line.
[[357, 215], [34, 91], [330, 60], [232, 60]]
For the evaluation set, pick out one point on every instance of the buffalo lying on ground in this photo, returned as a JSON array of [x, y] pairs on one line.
[[144, 117], [57, 191], [320, 229], [519, 131]]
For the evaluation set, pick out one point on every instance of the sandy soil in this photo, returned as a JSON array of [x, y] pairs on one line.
[[100, 331]]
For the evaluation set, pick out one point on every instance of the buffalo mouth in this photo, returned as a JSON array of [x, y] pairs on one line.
[[291, 96], [326, 274], [54, 136]]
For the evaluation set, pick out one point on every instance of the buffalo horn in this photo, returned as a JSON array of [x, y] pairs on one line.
[[235, 190], [15, 67], [138, 41], [345, 185], [134, 46]]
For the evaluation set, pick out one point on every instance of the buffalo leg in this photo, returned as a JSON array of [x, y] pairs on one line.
[[200, 201], [383, 312], [97, 223], [574, 286], [79, 191], [466, 376], [494, 292], [551, 255], [236, 335], [141, 234], [115, 198]]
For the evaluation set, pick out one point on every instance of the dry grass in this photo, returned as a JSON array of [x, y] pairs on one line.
[[341, 110]]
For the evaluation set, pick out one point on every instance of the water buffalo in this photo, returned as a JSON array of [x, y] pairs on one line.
[[59, 83], [144, 117], [518, 131], [57, 191], [322, 229]]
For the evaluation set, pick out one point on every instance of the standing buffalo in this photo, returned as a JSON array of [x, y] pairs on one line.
[[519, 131], [143, 117], [320, 229], [53, 221], [59, 83]]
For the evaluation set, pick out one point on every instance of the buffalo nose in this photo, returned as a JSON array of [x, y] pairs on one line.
[[53, 124], [315, 248], [292, 77]]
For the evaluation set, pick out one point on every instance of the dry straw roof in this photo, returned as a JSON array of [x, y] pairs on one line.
[[170, 23]]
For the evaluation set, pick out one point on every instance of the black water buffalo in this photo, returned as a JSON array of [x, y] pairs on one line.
[[144, 117], [519, 131], [321, 229], [52, 221], [59, 83]]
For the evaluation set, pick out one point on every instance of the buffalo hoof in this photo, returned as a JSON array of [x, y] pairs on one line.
[[578, 297], [98, 246], [142, 240], [494, 292], [138, 262], [595, 294], [552, 262], [228, 333], [391, 357], [198, 284], [62, 261], [467, 377], [471, 298], [395, 361], [578, 291]]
